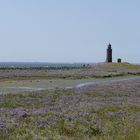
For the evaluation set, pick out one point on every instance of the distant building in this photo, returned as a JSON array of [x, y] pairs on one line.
[[119, 60], [109, 54]]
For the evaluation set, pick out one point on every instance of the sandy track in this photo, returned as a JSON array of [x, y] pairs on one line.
[[38, 85]]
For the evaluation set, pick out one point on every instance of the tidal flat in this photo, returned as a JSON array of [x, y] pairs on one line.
[[97, 103]]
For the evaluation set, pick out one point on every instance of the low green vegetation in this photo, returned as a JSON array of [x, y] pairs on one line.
[[100, 70], [67, 116], [99, 112], [123, 65]]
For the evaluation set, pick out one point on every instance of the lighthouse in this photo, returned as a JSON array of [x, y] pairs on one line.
[[109, 54]]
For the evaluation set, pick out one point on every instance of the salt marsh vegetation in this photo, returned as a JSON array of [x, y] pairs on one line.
[[101, 111]]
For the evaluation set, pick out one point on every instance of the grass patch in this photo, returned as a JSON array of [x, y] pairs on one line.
[[123, 65], [68, 116]]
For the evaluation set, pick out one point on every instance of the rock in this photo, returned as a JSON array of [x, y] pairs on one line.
[[19, 112]]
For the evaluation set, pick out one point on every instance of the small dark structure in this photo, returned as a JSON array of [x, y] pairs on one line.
[[119, 60], [109, 54]]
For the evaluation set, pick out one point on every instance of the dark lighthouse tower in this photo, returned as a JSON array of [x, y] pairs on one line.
[[109, 54]]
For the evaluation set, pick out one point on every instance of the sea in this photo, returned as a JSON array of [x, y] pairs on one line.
[[39, 65]]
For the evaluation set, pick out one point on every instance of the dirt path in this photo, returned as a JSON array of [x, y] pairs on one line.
[[108, 81], [38, 85]]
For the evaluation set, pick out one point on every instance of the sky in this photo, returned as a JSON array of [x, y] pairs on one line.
[[69, 30]]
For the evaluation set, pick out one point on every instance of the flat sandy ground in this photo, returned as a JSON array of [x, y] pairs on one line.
[[70, 107]]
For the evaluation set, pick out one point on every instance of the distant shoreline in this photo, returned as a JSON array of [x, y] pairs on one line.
[[41, 65], [45, 65], [41, 68]]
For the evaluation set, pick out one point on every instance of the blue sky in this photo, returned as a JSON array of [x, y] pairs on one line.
[[69, 30]]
